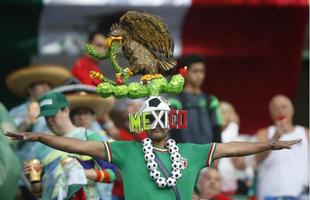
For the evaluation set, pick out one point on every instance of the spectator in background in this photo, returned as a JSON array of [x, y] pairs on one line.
[[32, 82], [123, 133], [282, 174], [67, 176], [209, 185], [87, 63], [237, 172], [203, 115], [85, 107]]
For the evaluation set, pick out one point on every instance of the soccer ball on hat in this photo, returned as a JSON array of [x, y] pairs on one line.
[[176, 174], [149, 156], [171, 182], [154, 174], [152, 165], [155, 103], [175, 156], [161, 182], [170, 143]]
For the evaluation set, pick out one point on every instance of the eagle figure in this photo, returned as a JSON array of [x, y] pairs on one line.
[[146, 42]]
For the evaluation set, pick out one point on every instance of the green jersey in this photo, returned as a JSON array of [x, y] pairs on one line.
[[129, 157]]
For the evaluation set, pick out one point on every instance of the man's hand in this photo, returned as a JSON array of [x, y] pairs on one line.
[[278, 145], [23, 136], [90, 174], [27, 169]]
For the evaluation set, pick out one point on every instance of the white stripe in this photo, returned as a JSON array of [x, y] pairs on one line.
[[61, 31], [109, 154], [210, 156], [119, 2]]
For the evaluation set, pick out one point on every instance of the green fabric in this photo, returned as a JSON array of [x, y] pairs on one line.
[[6, 123], [175, 103], [19, 39], [215, 105], [129, 157], [111, 175], [51, 103], [10, 168]]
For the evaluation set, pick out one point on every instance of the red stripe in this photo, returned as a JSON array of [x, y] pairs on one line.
[[251, 3], [106, 176]]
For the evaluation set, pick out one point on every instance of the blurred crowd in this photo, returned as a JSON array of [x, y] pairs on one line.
[[65, 103]]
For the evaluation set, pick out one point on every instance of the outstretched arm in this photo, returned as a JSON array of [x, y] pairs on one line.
[[71, 145], [236, 149]]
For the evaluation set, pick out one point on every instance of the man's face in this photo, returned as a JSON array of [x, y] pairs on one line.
[[57, 121], [158, 134], [210, 183], [196, 74], [38, 89], [281, 109], [82, 117], [99, 43]]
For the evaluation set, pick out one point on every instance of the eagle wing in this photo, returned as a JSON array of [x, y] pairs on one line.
[[152, 32]]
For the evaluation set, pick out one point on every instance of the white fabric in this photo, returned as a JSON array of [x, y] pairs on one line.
[[284, 172], [226, 167], [66, 32]]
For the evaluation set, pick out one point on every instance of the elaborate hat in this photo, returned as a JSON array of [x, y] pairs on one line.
[[19, 80]]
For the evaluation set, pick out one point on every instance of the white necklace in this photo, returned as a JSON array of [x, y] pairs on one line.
[[175, 157]]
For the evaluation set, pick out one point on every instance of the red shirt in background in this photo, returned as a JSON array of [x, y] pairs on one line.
[[220, 197], [82, 67], [125, 135]]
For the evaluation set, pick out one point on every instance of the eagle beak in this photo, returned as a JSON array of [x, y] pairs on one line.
[[112, 39]]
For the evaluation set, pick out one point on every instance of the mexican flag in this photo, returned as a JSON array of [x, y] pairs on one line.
[[252, 47]]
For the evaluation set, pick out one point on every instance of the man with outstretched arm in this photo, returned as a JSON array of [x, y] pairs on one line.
[[157, 168]]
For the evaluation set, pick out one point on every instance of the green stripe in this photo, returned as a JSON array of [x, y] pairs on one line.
[[19, 38]]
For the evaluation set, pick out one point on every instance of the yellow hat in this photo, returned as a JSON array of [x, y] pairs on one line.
[[90, 100], [19, 80]]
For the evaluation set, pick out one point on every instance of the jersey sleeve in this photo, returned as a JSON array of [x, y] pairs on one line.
[[204, 154], [116, 152]]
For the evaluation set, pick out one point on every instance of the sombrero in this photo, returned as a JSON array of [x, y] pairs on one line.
[[90, 100], [19, 80]]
